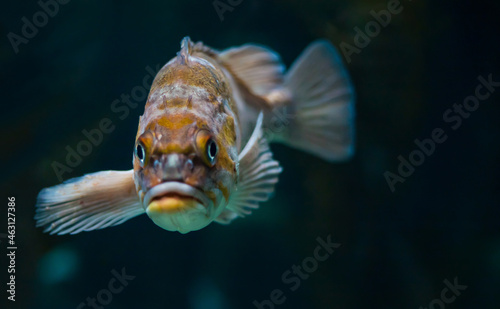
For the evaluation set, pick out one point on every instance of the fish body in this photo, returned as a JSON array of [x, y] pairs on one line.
[[201, 152]]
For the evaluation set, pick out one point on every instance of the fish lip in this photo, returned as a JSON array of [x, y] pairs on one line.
[[179, 188]]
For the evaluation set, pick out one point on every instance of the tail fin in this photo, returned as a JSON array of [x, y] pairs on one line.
[[323, 104]]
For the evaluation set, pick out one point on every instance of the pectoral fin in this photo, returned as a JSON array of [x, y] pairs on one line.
[[87, 203], [258, 173]]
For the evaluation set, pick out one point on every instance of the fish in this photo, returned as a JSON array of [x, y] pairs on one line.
[[201, 153]]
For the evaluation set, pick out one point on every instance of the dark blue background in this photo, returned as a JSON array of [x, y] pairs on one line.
[[396, 248]]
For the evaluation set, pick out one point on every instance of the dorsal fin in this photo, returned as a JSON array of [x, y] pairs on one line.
[[186, 50], [257, 66], [258, 72]]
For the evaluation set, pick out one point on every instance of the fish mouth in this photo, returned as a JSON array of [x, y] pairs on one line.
[[176, 196]]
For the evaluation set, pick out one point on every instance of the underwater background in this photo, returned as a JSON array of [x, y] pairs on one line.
[[401, 242]]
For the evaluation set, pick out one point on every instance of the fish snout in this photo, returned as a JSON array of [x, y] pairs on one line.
[[173, 167]]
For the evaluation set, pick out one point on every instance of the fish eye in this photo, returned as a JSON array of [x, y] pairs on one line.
[[140, 153], [212, 150], [206, 147]]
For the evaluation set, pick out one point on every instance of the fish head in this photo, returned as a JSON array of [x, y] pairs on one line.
[[185, 155], [183, 176]]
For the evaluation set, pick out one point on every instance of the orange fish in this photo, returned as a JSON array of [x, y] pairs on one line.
[[202, 148]]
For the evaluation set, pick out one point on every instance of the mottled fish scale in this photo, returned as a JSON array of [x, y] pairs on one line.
[[202, 147]]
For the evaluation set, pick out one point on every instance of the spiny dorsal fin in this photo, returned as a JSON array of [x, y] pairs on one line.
[[186, 50]]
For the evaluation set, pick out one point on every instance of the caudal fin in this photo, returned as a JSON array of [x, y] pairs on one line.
[[322, 121]]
